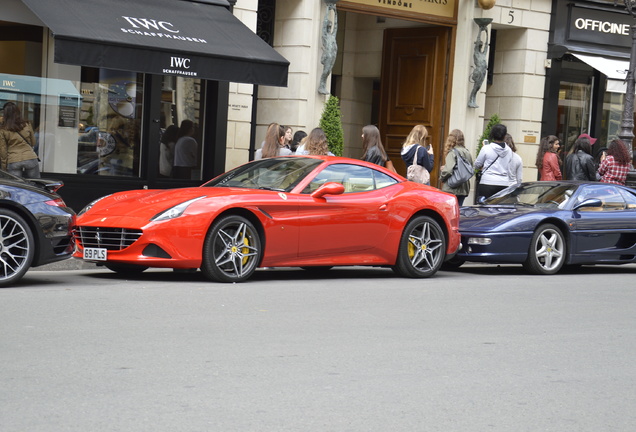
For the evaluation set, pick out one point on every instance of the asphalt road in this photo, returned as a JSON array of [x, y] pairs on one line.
[[484, 349]]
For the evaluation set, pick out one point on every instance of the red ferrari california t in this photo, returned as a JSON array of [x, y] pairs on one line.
[[294, 211]]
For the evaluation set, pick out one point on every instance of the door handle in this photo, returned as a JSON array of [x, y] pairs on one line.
[[383, 207]]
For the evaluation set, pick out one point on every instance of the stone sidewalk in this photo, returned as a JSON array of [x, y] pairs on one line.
[[68, 264]]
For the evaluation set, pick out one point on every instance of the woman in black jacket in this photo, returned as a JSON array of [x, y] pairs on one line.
[[579, 164]]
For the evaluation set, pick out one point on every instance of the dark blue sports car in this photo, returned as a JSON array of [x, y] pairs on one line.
[[546, 225]]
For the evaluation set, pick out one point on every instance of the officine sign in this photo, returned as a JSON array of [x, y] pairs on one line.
[[599, 27]]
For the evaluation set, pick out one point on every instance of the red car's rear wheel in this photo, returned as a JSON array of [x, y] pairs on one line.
[[232, 250], [422, 248]]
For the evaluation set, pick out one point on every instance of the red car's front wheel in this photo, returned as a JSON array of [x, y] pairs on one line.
[[232, 250]]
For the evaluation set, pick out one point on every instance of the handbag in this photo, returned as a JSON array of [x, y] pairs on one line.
[[462, 172], [389, 165], [417, 173], [479, 173]]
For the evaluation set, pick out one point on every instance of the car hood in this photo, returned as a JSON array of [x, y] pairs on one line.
[[147, 203], [488, 217]]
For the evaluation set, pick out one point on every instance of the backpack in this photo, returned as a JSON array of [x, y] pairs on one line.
[[462, 172]]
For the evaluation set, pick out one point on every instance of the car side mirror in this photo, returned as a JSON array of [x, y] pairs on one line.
[[592, 202], [330, 188]]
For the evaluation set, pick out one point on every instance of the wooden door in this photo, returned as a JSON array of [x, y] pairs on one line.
[[415, 64]]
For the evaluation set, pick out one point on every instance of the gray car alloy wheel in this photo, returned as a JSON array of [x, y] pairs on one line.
[[232, 250], [16, 247], [422, 248], [547, 252]]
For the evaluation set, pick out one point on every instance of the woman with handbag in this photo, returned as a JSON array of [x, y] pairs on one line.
[[415, 154], [373, 149], [16, 144], [453, 149], [494, 161]]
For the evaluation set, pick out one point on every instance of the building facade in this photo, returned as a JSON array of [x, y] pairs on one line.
[[589, 51], [101, 115], [125, 95], [406, 63]]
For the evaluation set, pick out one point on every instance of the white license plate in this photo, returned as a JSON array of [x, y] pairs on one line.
[[95, 254]]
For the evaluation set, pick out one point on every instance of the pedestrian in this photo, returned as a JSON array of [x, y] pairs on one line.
[[166, 150], [579, 164], [415, 147], [298, 137], [615, 166], [289, 137], [372, 146], [185, 151], [547, 159], [494, 162], [454, 145], [316, 143], [516, 164], [17, 141], [273, 144]]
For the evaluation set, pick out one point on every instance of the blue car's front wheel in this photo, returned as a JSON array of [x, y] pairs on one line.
[[547, 252]]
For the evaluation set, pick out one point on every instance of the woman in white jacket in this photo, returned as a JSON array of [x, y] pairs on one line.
[[494, 161]]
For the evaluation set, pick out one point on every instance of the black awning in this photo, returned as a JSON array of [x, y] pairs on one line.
[[165, 37]]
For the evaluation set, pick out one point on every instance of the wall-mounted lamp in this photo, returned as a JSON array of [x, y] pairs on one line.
[[486, 4]]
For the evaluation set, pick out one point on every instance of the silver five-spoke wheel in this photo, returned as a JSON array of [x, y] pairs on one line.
[[547, 252], [232, 250], [422, 248]]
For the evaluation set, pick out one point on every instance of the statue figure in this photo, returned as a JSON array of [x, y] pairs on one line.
[[480, 58], [329, 44]]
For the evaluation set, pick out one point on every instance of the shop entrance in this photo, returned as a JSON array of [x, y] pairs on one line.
[[413, 89]]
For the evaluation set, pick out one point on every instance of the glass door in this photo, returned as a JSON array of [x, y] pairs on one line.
[[574, 114]]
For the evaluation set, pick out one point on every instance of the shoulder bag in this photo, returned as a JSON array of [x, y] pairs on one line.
[[416, 172], [462, 172]]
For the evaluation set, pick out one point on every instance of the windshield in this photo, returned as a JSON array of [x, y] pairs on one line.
[[280, 174], [534, 194]]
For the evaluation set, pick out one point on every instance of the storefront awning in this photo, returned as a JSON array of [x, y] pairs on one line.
[[614, 69], [36, 85], [198, 39]]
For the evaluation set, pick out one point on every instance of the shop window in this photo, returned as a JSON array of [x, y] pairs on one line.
[[612, 118], [181, 150], [573, 112], [109, 139]]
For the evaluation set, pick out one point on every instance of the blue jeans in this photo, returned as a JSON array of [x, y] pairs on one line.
[[26, 169]]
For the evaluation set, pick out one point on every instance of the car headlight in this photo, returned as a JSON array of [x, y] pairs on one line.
[[174, 212], [484, 241], [91, 204]]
